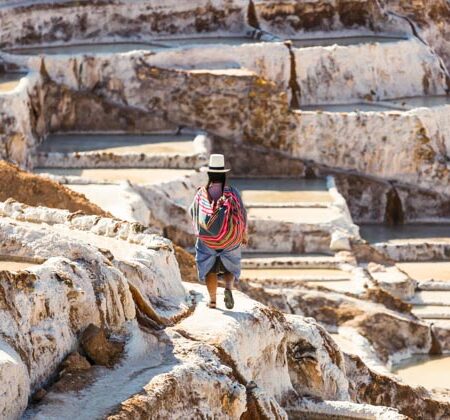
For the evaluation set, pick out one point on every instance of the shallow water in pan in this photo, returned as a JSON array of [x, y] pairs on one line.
[[427, 371], [385, 233], [344, 40], [9, 81]]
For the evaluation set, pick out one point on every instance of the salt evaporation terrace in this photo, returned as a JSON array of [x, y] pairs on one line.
[[9, 81], [123, 47], [425, 372], [327, 41], [334, 117]]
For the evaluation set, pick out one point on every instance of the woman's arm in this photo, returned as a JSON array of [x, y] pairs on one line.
[[241, 203], [244, 216], [193, 207]]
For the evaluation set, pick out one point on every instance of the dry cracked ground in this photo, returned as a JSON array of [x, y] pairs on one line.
[[334, 116]]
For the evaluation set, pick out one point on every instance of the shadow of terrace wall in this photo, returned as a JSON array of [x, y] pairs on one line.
[[67, 110], [253, 160]]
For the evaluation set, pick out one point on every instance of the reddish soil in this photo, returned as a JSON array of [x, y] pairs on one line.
[[187, 264], [36, 190]]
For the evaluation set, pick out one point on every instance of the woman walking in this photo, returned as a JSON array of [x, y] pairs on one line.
[[220, 223]]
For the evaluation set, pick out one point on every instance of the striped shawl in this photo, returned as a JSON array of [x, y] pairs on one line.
[[221, 224]]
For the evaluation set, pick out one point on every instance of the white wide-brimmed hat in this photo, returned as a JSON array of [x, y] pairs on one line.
[[216, 164]]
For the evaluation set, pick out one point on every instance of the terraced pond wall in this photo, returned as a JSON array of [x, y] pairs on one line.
[[369, 198], [415, 144], [74, 21], [231, 94], [428, 20], [127, 92]]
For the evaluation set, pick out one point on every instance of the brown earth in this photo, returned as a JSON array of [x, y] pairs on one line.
[[365, 252], [75, 374], [75, 362], [187, 264], [35, 190], [379, 295], [100, 349]]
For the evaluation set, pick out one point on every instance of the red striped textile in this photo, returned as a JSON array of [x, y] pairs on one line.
[[221, 224]]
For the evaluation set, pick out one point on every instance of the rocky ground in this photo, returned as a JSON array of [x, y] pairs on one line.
[[334, 118], [136, 289]]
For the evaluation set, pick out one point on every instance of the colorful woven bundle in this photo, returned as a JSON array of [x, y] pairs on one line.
[[221, 224]]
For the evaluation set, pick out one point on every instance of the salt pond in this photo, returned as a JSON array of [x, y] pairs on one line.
[[346, 40], [12, 265], [428, 371], [385, 233]]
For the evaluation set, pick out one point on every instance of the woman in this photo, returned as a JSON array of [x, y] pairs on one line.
[[220, 223]]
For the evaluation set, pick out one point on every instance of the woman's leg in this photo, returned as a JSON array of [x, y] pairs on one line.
[[228, 296], [211, 284], [229, 280]]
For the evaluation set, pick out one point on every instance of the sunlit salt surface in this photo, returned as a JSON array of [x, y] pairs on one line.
[[135, 175], [431, 311], [312, 274], [431, 297], [295, 214], [269, 259], [9, 81], [144, 360], [279, 190], [117, 143], [345, 40], [426, 271], [332, 279], [385, 233], [12, 265], [431, 304], [428, 371]]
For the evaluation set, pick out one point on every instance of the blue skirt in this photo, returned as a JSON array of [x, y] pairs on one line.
[[205, 258]]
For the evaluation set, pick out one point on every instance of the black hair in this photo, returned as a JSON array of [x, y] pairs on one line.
[[216, 177]]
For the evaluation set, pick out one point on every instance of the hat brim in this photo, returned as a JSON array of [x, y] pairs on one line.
[[206, 169]]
